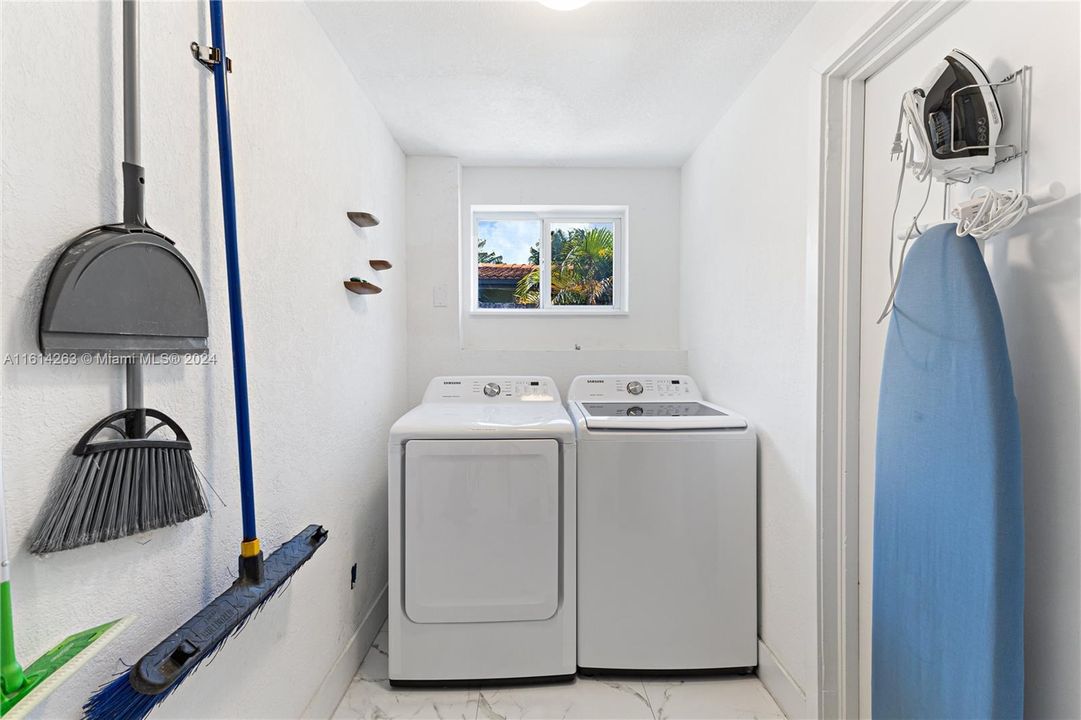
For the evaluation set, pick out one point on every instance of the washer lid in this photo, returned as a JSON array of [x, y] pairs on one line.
[[692, 415]]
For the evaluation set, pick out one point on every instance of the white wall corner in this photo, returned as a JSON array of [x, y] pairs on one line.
[[787, 693], [337, 680]]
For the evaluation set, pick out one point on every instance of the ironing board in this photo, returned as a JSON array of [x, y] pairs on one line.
[[948, 541]]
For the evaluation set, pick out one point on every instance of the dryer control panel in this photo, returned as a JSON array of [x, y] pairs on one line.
[[636, 388], [484, 388]]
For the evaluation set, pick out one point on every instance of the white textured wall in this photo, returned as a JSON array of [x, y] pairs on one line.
[[443, 341], [747, 308], [326, 367]]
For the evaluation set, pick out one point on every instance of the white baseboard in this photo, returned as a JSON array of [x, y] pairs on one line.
[[787, 693], [334, 685]]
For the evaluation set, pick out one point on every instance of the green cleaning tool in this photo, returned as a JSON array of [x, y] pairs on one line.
[[136, 693], [22, 689]]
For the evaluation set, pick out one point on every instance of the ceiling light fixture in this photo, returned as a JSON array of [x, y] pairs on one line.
[[564, 5]]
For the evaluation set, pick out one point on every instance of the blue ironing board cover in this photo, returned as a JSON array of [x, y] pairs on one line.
[[948, 529]]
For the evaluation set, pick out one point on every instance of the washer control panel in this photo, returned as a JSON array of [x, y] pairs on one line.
[[640, 388], [482, 388]]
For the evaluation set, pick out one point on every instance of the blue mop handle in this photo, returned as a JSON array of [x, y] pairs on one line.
[[232, 259]]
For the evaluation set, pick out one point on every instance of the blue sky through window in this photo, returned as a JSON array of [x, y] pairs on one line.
[[510, 238], [513, 238]]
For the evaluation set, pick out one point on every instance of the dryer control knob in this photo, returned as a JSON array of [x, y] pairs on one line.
[[492, 389], [634, 387]]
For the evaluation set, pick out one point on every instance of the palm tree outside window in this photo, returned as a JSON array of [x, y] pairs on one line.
[[557, 260]]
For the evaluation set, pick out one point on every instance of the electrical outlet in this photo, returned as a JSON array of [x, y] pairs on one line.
[[439, 296], [353, 576]]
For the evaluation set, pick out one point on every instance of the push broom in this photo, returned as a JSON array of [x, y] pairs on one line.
[[135, 693], [22, 689]]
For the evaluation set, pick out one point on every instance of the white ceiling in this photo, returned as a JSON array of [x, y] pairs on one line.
[[515, 83]]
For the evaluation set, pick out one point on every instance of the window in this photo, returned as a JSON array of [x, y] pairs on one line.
[[548, 260]]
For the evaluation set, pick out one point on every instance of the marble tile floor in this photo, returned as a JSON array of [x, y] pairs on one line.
[[617, 698]]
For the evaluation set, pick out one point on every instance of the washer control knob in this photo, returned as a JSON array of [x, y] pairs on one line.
[[635, 411], [634, 387], [492, 389]]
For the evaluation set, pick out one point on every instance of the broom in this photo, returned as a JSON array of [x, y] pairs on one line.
[[150, 681], [22, 689], [118, 487]]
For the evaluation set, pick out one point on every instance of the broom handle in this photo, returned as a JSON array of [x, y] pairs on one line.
[[133, 191], [250, 546], [136, 422], [133, 148]]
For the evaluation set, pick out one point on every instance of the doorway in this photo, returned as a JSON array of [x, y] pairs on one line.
[[1035, 303]]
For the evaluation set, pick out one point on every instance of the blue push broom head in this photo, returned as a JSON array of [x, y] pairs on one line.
[[134, 694]]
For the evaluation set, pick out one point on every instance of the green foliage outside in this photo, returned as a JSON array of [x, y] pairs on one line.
[[581, 269], [486, 256]]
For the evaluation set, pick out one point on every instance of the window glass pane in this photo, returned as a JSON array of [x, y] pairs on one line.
[[582, 260], [508, 263]]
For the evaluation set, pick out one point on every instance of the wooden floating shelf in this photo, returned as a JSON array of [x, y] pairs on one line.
[[380, 264], [363, 219], [362, 288]]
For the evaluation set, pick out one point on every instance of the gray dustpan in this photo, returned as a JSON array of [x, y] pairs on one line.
[[124, 288]]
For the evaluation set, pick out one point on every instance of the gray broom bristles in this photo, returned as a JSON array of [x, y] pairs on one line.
[[117, 492]]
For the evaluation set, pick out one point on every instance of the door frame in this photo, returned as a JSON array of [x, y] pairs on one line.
[[839, 77]]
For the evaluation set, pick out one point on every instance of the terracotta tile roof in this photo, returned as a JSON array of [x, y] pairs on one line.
[[501, 271]]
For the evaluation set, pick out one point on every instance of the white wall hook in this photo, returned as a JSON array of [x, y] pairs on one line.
[[1049, 193]]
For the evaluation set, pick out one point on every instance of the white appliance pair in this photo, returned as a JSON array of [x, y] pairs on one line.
[[526, 542]]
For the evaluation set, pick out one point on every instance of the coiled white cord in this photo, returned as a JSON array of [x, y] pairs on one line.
[[989, 211]]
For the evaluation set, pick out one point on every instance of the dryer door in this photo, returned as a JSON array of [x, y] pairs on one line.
[[481, 520]]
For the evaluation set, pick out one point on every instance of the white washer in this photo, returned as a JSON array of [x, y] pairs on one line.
[[482, 533], [667, 518]]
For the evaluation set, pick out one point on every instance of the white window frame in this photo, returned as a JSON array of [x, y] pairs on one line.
[[547, 215]]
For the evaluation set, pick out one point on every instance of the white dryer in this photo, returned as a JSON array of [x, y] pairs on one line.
[[667, 527], [482, 534]]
